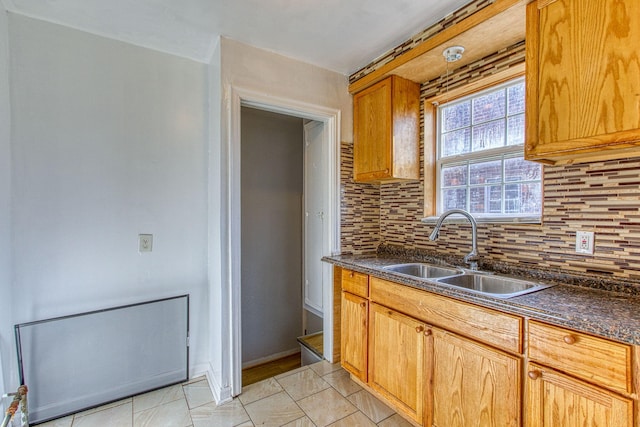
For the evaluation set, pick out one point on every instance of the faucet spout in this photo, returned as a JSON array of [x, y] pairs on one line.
[[472, 257]]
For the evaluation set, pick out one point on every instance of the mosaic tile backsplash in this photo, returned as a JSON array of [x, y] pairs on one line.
[[603, 197]]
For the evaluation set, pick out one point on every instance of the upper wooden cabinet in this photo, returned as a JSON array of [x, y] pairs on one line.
[[386, 120], [583, 80]]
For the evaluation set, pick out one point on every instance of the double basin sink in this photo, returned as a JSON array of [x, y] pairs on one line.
[[484, 283]]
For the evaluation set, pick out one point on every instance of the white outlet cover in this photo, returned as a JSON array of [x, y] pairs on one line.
[[584, 242], [145, 242]]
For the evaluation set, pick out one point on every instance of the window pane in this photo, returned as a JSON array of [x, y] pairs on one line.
[[488, 135], [454, 176], [480, 154], [456, 142], [518, 169], [515, 130], [486, 199], [523, 198], [456, 117], [515, 97], [489, 107], [454, 198], [485, 173]]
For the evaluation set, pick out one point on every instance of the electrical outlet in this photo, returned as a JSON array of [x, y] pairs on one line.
[[145, 242], [584, 242]]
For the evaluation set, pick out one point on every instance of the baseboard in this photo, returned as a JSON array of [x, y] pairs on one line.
[[220, 394]]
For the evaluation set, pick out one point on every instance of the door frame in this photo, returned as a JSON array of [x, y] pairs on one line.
[[330, 117]]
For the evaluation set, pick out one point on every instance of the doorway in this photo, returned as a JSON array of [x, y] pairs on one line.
[[282, 222], [272, 194], [330, 136]]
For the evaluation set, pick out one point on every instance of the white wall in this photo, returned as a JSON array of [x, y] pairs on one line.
[[218, 341], [281, 77], [109, 141], [265, 73], [6, 337]]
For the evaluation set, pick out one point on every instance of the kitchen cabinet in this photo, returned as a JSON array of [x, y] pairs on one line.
[[473, 384], [583, 80], [354, 315], [387, 131], [555, 399], [427, 372], [354, 334], [577, 379], [398, 346], [444, 362]]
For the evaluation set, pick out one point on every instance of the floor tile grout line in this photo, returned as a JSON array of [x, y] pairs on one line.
[[186, 401]]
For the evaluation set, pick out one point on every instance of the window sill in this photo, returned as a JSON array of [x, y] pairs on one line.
[[483, 219]]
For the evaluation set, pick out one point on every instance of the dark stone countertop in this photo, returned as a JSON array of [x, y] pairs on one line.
[[609, 314]]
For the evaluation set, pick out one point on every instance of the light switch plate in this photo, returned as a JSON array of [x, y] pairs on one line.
[[145, 242], [584, 242]]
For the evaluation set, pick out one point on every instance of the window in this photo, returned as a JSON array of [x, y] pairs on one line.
[[480, 164]]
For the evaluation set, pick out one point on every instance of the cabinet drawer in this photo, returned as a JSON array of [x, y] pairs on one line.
[[597, 360], [489, 326], [356, 283]]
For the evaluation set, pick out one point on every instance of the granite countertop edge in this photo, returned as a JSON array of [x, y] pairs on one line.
[[603, 313]]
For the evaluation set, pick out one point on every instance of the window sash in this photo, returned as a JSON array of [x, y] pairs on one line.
[[482, 156]]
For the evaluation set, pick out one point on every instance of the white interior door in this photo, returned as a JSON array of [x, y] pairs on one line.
[[314, 216]]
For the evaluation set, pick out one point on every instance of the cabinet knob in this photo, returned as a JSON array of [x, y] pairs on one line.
[[419, 329], [569, 339], [534, 375], [428, 332], [363, 304], [351, 274]]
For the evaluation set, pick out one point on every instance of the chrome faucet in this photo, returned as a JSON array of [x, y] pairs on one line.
[[472, 257]]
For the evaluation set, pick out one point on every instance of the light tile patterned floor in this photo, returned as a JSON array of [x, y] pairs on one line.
[[317, 395]]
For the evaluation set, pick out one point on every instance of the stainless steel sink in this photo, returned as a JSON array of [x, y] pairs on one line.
[[495, 286], [423, 271]]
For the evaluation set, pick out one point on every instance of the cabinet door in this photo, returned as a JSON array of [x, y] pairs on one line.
[[372, 157], [473, 385], [583, 79], [397, 359], [353, 343], [557, 400]]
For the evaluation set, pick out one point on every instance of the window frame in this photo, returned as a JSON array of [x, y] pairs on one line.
[[432, 161]]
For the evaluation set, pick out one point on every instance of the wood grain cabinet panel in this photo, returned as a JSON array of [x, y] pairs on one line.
[[593, 359], [354, 333], [557, 400], [397, 349], [356, 283], [583, 80], [386, 126], [489, 326], [473, 385]]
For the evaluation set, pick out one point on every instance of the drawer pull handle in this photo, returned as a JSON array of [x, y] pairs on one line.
[[569, 339], [419, 329], [428, 332], [534, 375]]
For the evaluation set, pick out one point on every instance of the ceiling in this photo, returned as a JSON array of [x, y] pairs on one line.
[[340, 35]]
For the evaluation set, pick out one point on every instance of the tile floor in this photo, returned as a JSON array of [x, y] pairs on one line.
[[317, 395]]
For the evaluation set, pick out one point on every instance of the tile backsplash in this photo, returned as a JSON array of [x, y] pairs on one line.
[[603, 197]]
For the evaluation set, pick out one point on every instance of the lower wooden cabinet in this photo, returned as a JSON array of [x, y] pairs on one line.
[[473, 384], [557, 400], [398, 347], [439, 366], [354, 332]]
